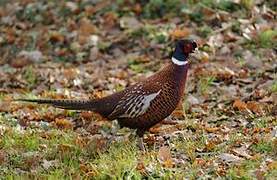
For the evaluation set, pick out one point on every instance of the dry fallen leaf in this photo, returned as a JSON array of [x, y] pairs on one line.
[[88, 170], [63, 123], [64, 148], [86, 29], [212, 129], [48, 164], [242, 151], [57, 37], [141, 167], [180, 33], [164, 155], [240, 105], [254, 107], [5, 106], [20, 62], [272, 165], [3, 157], [229, 158]]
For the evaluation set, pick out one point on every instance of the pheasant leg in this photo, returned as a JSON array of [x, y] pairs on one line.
[[140, 134]]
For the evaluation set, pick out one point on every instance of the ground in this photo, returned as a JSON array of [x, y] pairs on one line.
[[226, 124]]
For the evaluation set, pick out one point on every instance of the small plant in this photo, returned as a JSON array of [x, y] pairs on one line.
[[205, 83], [248, 4], [159, 8], [2, 96], [243, 170], [30, 76], [204, 31], [263, 147], [274, 87], [268, 38], [136, 66]]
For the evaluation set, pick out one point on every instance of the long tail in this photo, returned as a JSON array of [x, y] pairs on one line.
[[65, 103]]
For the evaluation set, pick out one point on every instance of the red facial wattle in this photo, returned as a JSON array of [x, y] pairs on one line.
[[188, 48]]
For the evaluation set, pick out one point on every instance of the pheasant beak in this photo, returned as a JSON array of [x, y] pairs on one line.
[[194, 46]]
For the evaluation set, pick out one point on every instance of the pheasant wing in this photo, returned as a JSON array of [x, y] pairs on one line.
[[134, 103]]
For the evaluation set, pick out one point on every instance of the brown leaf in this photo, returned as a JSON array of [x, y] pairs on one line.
[[88, 170], [2, 12], [210, 146], [20, 62], [70, 73], [178, 113], [110, 19], [141, 167], [81, 142], [31, 160], [254, 107], [155, 129], [240, 105], [5, 106], [48, 164], [63, 123], [90, 10], [137, 8], [212, 129], [3, 157], [57, 37], [180, 33], [229, 158], [64, 148], [86, 27], [130, 23], [272, 165], [200, 161], [86, 115], [242, 151], [260, 174], [164, 155]]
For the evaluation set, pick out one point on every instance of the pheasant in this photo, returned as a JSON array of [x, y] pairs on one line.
[[144, 104]]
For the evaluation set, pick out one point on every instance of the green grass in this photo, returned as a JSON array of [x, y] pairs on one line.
[[30, 76], [243, 171], [2, 96], [263, 147], [267, 38], [27, 149], [274, 87], [120, 161], [205, 83]]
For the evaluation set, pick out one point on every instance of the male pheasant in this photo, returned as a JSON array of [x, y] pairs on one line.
[[144, 104]]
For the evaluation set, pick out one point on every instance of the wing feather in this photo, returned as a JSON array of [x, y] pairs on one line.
[[133, 104]]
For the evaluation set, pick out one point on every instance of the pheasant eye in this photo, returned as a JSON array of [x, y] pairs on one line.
[[188, 48]]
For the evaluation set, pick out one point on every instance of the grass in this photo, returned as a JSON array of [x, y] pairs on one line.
[[30, 76], [205, 83], [263, 147], [267, 38], [242, 171], [274, 87], [77, 156], [120, 161]]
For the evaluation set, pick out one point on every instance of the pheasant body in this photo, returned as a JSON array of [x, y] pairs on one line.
[[145, 103], [148, 102]]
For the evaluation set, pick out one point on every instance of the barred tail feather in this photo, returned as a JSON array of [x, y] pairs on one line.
[[65, 103]]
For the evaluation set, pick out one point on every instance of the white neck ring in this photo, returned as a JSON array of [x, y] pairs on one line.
[[178, 62]]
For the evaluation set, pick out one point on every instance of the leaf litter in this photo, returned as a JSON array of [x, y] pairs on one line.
[[80, 49]]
